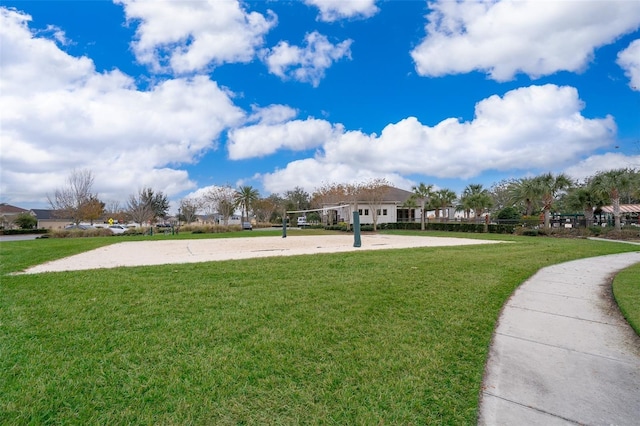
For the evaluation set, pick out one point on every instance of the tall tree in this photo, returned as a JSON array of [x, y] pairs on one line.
[[138, 209], [525, 192], [264, 208], [475, 197], [373, 193], [244, 198], [329, 193], [549, 187], [297, 199], [220, 200], [92, 209], [584, 198], [147, 206], [422, 194], [611, 184], [68, 201], [189, 210], [442, 199]]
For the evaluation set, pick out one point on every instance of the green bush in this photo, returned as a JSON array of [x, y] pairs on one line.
[[595, 230], [78, 233]]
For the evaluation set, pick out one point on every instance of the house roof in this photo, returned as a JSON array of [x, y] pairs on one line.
[[396, 195], [391, 196], [9, 209], [46, 214], [624, 208]]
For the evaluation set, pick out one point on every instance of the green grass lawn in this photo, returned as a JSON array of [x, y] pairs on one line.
[[378, 337], [626, 289]]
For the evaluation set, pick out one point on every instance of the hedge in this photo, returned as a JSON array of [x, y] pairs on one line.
[[446, 226]]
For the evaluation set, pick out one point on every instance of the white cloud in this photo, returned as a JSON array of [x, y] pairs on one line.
[[272, 114], [188, 36], [508, 37], [264, 139], [334, 10], [78, 118], [532, 128], [629, 60], [308, 63], [310, 173], [599, 163]]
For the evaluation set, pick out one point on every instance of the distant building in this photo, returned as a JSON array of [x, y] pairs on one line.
[[9, 213], [48, 219]]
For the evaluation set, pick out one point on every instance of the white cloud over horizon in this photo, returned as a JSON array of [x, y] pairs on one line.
[[536, 127], [600, 163], [505, 38], [79, 118], [62, 112]]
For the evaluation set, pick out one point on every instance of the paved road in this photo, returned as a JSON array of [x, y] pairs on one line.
[[4, 238]]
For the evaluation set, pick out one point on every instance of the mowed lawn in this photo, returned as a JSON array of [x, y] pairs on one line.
[[379, 337]]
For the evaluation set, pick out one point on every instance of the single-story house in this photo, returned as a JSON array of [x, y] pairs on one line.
[[47, 219], [8, 214], [395, 206]]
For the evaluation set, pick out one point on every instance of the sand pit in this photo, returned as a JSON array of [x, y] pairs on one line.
[[141, 253]]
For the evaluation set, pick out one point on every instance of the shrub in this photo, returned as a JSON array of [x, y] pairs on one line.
[[595, 230], [78, 233]]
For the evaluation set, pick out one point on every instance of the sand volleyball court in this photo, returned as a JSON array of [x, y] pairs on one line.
[[141, 253]]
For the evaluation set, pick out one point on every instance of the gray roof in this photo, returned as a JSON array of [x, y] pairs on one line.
[[44, 214]]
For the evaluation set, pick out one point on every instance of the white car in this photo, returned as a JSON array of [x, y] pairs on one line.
[[117, 229]]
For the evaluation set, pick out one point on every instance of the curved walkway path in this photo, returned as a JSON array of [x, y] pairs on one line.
[[562, 354]]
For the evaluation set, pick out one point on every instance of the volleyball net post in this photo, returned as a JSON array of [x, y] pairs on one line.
[[356, 229], [357, 242], [284, 226]]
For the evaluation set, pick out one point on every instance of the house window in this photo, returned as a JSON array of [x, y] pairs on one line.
[[366, 212], [384, 212], [360, 212], [378, 212]]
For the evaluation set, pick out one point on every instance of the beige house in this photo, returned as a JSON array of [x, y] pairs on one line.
[[8, 214], [47, 219]]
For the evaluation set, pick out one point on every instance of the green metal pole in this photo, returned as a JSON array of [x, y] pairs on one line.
[[284, 226], [356, 229]]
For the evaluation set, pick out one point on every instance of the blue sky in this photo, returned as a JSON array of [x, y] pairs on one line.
[[183, 96]]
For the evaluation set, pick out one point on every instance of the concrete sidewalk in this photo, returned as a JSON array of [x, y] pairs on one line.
[[562, 354]]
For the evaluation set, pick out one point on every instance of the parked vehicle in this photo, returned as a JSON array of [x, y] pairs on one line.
[[302, 221], [79, 227], [247, 226], [117, 229]]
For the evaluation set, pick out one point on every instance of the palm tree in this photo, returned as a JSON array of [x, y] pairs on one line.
[[549, 186], [445, 198], [524, 191], [423, 194], [476, 198], [585, 198], [244, 198], [611, 183]]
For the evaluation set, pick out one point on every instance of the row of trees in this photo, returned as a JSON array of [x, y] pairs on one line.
[[540, 194], [77, 201], [526, 196]]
